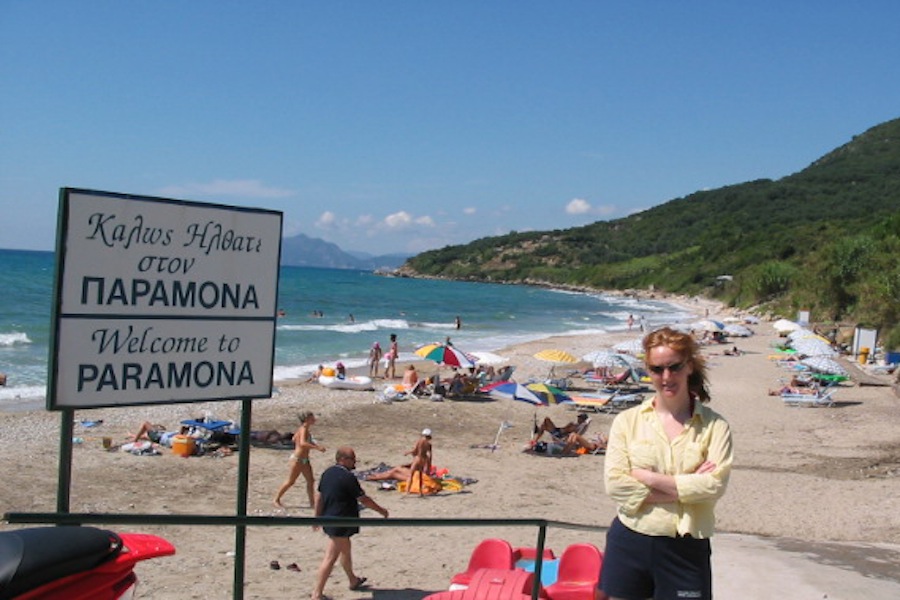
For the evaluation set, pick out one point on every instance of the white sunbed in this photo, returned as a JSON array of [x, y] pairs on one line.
[[823, 398]]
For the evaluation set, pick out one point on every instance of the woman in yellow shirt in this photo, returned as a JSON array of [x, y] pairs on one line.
[[667, 463]]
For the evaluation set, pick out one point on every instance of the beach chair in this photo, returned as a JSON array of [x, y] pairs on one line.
[[578, 574], [592, 402], [821, 397]]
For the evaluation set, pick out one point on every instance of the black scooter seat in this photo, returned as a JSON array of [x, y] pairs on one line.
[[30, 558]]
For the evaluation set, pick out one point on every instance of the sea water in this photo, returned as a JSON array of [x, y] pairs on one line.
[[336, 315]]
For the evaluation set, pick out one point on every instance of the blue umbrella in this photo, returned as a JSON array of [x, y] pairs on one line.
[[512, 390]]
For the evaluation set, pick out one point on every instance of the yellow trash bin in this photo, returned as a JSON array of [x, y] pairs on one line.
[[863, 355]]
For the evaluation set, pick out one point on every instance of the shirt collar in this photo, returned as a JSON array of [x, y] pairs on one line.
[[701, 411]]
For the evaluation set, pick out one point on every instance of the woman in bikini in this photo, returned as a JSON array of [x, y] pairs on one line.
[[303, 443]]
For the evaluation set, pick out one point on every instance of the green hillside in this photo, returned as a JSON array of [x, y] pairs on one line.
[[825, 238]]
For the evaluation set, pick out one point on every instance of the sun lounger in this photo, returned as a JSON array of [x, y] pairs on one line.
[[606, 402], [817, 399], [213, 426]]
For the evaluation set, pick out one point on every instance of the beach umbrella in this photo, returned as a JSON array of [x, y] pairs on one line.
[[784, 326], [806, 334], [556, 356], [634, 346], [512, 390], [608, 359], [488, 358], [736, 330], [539, 394], [823, 364], [445, 355], [707, 325], [549, 394], [814, 348]]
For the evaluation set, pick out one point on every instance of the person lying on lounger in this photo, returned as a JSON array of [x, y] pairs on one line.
[[576, 442], [157, 434], [561, 433]]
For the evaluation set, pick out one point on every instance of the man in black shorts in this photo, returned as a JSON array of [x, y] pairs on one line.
[[340, 496]]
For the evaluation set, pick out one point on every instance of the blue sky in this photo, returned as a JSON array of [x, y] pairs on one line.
[[399, 126]]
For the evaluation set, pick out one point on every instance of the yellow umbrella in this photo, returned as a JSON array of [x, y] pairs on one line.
[[556, 356]]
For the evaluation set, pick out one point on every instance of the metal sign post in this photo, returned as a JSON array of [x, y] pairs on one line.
[[161, 301]]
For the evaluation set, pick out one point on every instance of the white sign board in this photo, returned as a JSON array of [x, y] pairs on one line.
[[161, 301]]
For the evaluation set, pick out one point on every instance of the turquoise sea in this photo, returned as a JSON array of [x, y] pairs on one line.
[[317, 326]]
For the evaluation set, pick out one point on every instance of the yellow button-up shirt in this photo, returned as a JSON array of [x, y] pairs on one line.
[[637, 440]]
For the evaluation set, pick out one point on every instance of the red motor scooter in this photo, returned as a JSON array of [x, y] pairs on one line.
[[73, 563]]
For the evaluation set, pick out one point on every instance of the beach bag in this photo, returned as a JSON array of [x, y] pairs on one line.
[[430, 485]]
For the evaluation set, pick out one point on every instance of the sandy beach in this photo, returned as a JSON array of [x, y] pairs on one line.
[[817, 485]]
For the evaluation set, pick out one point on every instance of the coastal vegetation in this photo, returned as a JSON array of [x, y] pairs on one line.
[[825, 239]]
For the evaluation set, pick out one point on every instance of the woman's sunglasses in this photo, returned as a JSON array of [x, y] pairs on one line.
[[660, 369]]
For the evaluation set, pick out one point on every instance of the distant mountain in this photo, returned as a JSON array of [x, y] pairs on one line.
[[304, 251]]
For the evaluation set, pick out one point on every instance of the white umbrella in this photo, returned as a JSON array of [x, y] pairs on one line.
[[785, 326], [605, 358], [823, 364], [813, 348], [489, 358], [633, 347], [707, 325], [736, 330]]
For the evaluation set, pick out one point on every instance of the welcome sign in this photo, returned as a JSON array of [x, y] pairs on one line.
[[162, 301]]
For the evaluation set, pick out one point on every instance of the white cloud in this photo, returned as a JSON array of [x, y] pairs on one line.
[[327, 220], [470, 211], [247, 188], [398, 220], [403, 220], [578, 206]]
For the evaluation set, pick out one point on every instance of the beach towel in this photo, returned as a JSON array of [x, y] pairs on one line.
[[430, 486]]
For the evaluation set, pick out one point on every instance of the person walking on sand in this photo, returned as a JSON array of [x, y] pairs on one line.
[[668, 461], [340, 496], [391, 371], [421, 461], [299, 461], [374, 359]]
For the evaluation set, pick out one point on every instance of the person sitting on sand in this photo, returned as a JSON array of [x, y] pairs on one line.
[[410, 378], [561, 433], [316, 374]]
